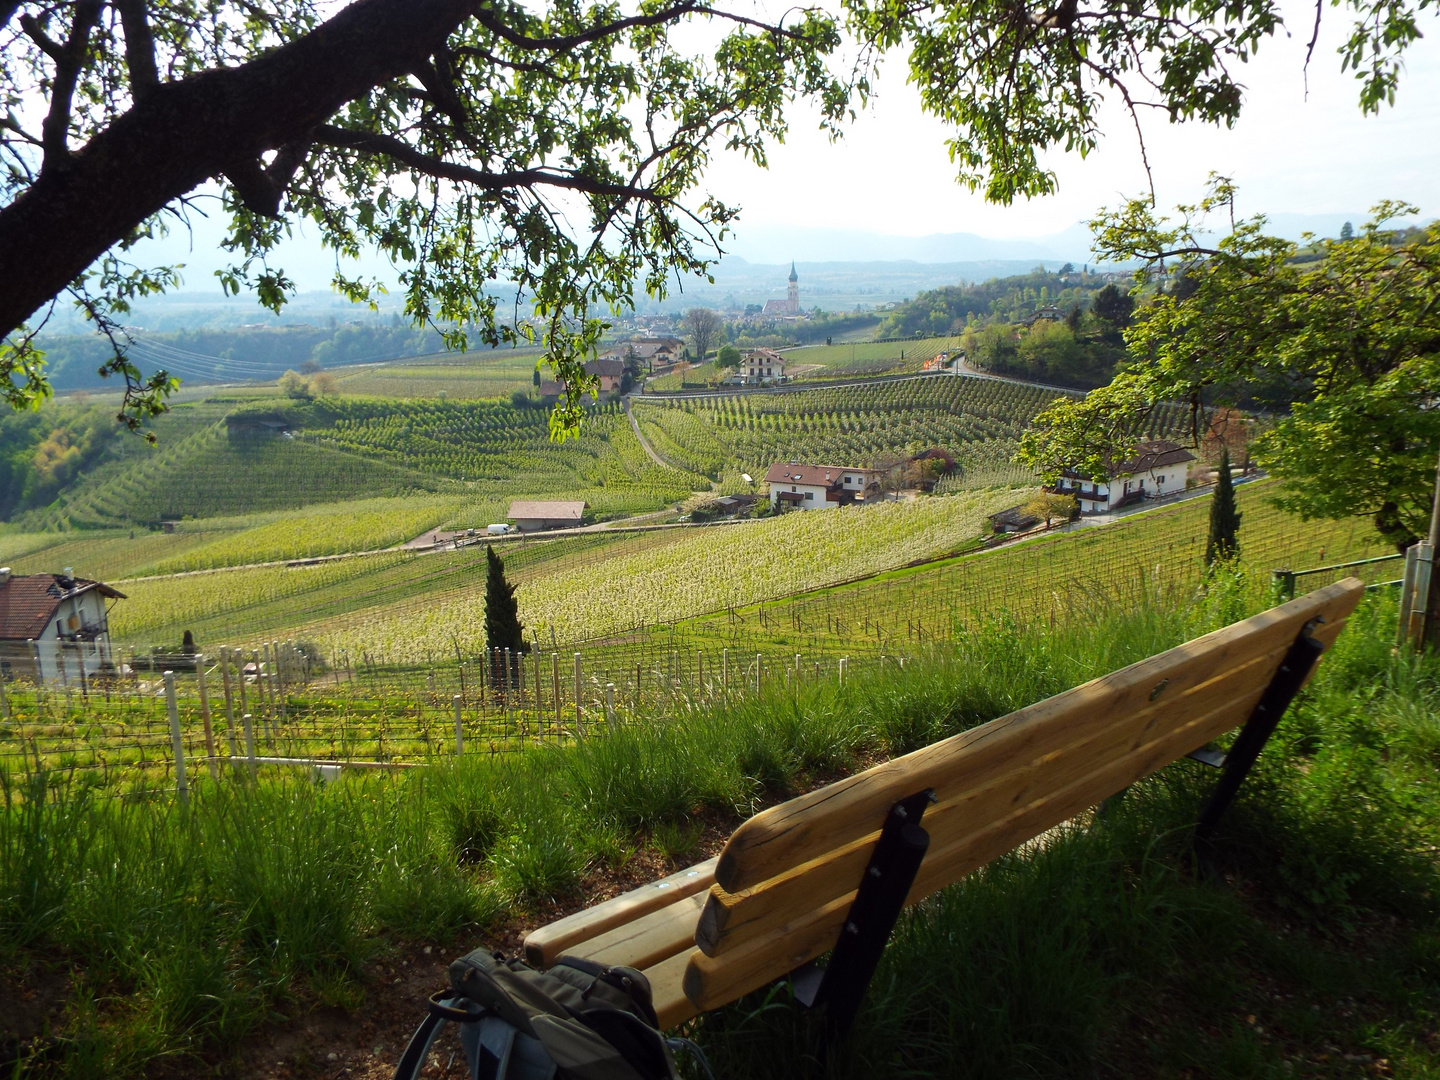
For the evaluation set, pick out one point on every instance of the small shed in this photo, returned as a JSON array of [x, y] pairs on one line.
[[1015, 519], [54, 627], [534, 516]]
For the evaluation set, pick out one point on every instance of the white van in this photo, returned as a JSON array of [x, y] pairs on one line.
[[497, 530]]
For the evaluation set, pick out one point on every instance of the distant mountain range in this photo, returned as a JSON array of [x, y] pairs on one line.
[[782, 243], [839, 269]]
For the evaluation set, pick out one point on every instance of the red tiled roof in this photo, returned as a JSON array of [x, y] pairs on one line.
[[821, 475], [547, 511], [28, 602]]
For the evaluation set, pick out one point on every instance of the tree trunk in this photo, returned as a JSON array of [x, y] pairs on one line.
[[186, 132]]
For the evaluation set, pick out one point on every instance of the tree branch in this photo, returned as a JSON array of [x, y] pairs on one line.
[[402, 152], [139, 47], [189, 130], [487, 18], [55, 128]]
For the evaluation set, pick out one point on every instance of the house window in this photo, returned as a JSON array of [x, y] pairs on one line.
[[809, 495]]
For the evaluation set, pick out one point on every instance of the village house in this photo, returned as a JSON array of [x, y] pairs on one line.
[[54, 628], [653, 353], [609, 371], [761, 367], [1159, 468], [816, 487], [532, 516]]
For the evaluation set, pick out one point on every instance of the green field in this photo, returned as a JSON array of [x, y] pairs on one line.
[[852, 359], [465, 375]]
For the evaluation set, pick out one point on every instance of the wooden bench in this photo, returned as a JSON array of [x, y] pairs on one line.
[[836, 865]]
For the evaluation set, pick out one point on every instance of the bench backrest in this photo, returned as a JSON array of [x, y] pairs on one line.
[[787, 877]]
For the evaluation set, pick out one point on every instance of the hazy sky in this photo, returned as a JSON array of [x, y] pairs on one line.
[[890, 174], [1289, 153]]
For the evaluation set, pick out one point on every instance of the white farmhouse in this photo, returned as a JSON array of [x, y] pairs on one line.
[[761, 367], [1159, 468], [815, 487], [54, 628]]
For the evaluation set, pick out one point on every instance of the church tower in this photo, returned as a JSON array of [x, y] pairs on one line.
[[792, 295]]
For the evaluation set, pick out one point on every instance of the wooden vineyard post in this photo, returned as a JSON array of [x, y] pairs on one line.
[[758, 663], [539, 704], [699, 672], [250, 743], [205, 715], [635, 709], [240, 671], [177, 741], [844, 662], [725, 671], [229, 701], [555, 686], [579, 730], [459, 726], [610, 705], [279, 684], [260, 704]]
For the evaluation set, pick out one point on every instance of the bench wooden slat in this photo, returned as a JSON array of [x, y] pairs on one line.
[[805, 930], [730, 918], [548, 943], [847, 811], [648, 940], [667, 990]]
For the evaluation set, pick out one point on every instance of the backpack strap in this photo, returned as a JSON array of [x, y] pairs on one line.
[[442, 1009]]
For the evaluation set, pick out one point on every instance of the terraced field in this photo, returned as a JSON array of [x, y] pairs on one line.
[[978, 421], [399, 607]]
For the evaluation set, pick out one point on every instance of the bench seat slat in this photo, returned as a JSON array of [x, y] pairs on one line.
[[847, 811], [648, 940], [729, 918], [667, 989], [548, 943], [811, 930]]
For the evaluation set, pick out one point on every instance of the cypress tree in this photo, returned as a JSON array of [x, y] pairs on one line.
[[1224, 542], [502, 613]]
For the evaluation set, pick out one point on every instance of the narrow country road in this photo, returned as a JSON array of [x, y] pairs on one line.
[[635, 427]]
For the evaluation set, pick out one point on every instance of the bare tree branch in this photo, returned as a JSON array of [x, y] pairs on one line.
[[405, 154], [55, 129], [139, 47]]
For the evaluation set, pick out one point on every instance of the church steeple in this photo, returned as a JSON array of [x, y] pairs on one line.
[[792, 293], [793, 276]]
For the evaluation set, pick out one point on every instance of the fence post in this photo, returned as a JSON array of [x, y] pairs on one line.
[[1407, 596], [279, 685], [1284, 583], [459, 727], [758, 663], [1420, 599], [555, 686], [181, 788], [578, 691], [725, 670], [205, 715], [229, 701], [610, 705], [250, 744]]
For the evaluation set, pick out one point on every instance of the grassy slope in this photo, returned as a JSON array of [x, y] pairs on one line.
[[1100, 953]]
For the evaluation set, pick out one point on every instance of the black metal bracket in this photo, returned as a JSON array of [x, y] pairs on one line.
[[1235, 765], [840, 986]]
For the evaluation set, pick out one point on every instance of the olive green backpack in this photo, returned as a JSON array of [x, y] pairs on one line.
[[578, 1021]]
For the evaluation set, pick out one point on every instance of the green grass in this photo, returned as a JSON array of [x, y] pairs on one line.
[[860, 358], [1097, 952]]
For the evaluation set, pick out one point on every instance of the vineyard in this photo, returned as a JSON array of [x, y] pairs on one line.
[[377, 650], [979, 421], [571, 588], [860, 358]]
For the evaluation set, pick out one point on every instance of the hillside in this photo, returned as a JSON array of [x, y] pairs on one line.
[[978, 421]]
